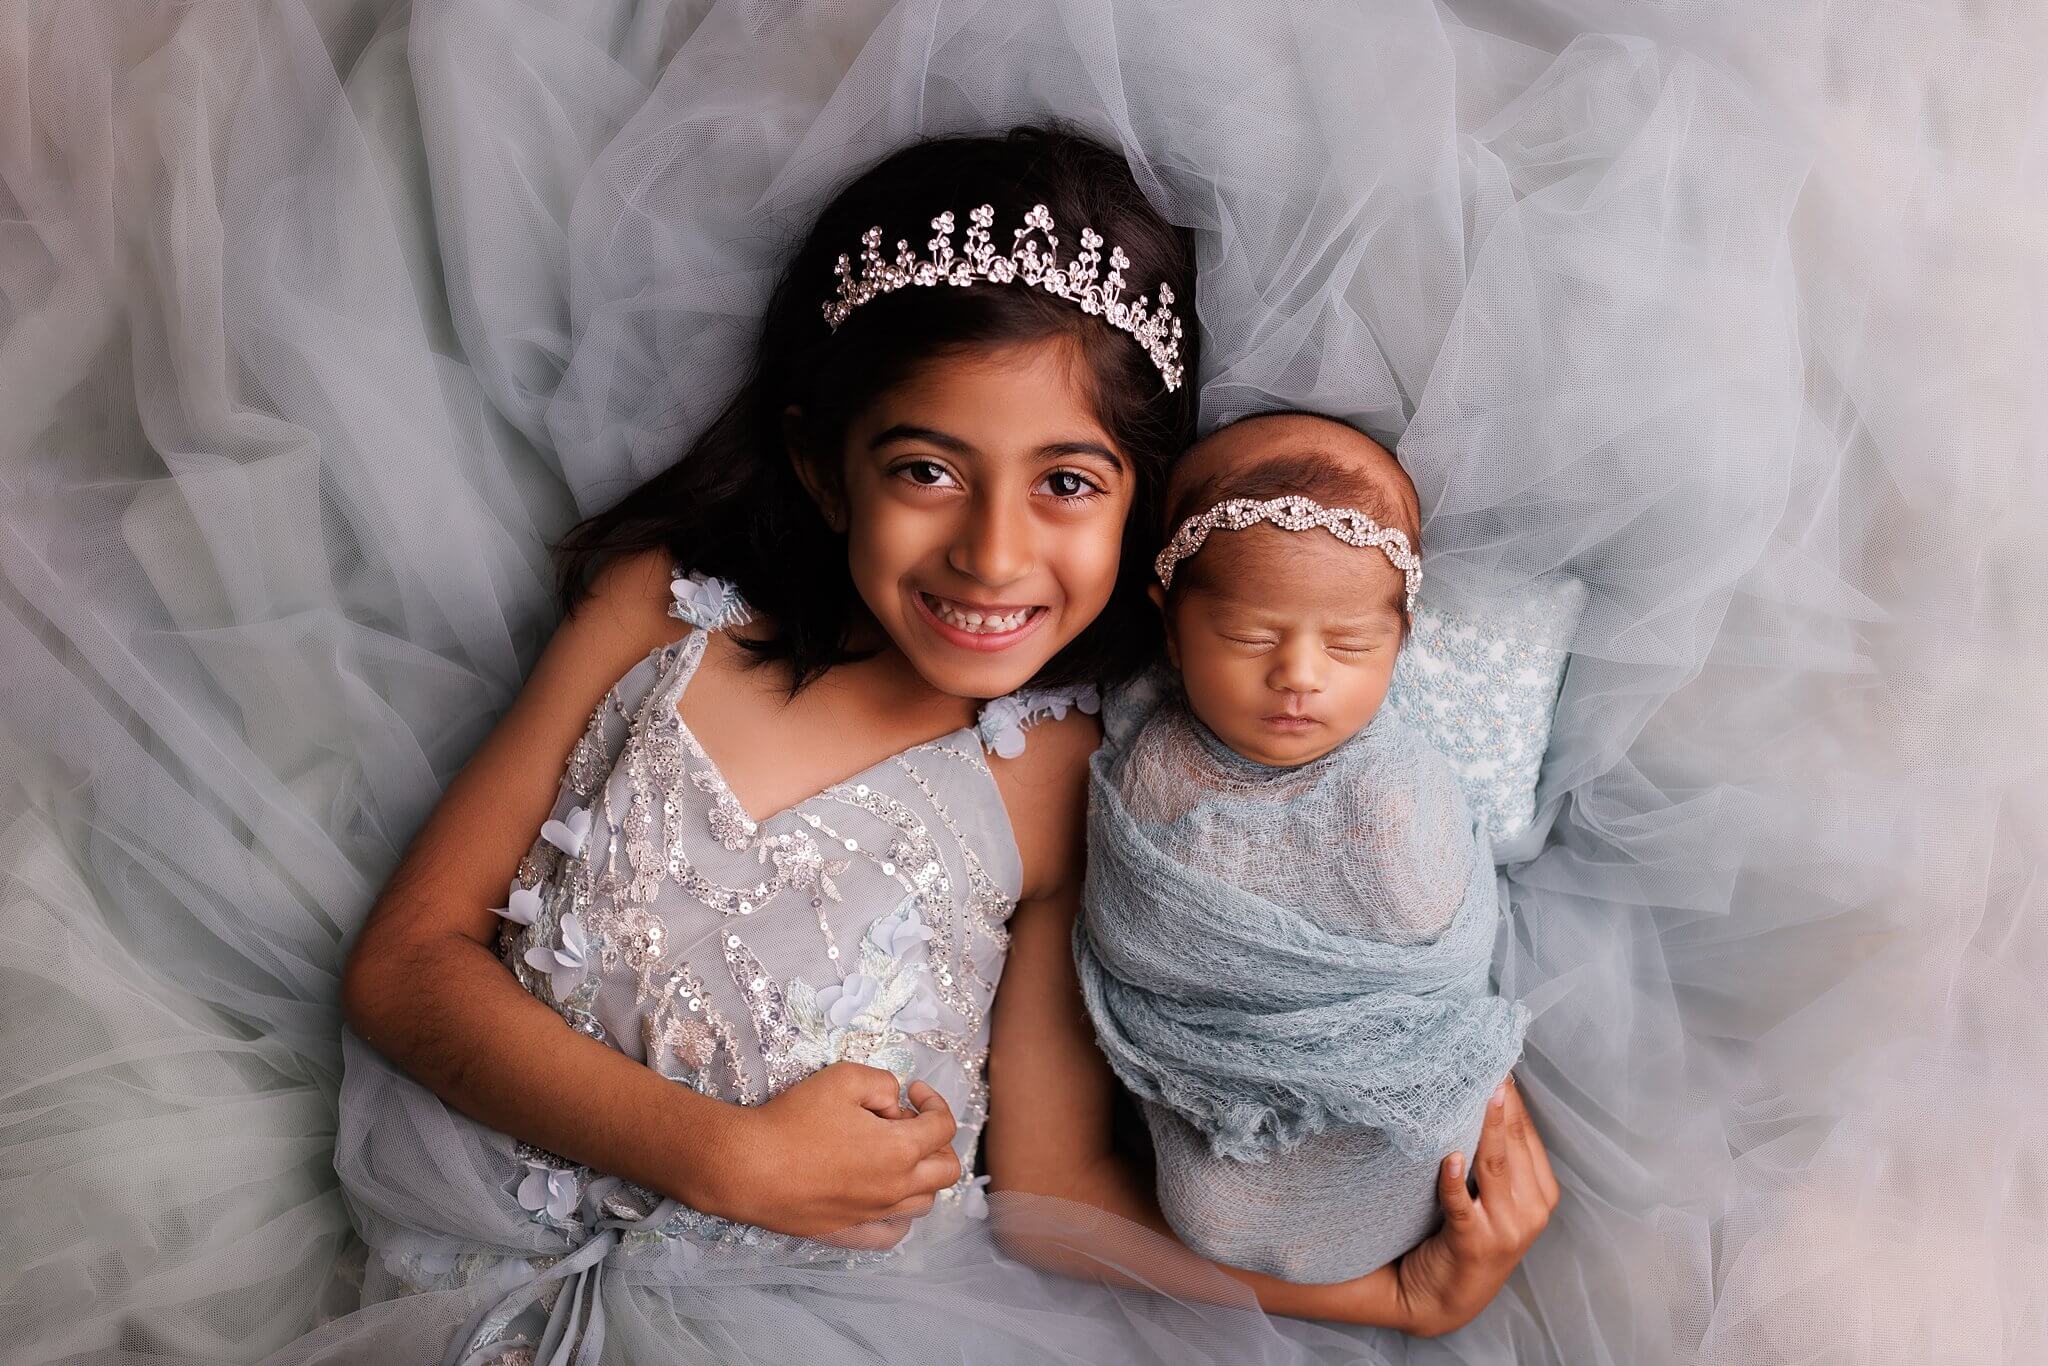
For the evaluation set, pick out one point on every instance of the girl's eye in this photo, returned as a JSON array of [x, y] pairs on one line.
[[1071, 484], [1252, 641], [1349, 649], [928, 474]]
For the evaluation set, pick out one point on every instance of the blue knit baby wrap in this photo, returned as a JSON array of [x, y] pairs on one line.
[[1283, 959]]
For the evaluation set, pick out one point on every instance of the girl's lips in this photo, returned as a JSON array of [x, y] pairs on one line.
[[976, 640], [1290, 723]]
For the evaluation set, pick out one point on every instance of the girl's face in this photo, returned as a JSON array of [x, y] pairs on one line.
[[1287, 649], [984, 506]]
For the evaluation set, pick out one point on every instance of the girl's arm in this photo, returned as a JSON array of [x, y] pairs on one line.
[[1050, 1096], [423, 986]]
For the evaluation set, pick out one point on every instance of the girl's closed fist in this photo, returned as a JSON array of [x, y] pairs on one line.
[[837, 1158]]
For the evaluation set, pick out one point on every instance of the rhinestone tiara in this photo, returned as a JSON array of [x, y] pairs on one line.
[[1293, 513], [1079, 281]]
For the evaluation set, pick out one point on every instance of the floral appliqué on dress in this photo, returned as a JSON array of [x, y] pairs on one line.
[[866, 1017]]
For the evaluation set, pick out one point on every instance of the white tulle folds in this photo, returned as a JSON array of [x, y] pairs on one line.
[[319, 319]]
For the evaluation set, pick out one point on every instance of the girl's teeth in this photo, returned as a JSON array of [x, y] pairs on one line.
[[976, 622]]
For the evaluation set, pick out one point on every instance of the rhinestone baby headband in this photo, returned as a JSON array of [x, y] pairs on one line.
[[1292, 513], [1159, 331]]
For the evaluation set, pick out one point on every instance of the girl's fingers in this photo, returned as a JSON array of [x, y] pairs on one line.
[[1523, 1188], [1493, 1164], [1451, 1191], [1524, 1198], [1539, 1160], [910, 1207], [876, 1235], [933, 1125], [871, 1087], [936, 1171]]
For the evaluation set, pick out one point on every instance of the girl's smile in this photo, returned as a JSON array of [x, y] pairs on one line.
[[983, 626]]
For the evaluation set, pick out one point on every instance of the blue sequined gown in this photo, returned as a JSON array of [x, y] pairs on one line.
[[863, 923]]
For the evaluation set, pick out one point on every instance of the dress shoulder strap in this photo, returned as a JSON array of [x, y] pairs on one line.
[[712, 604], [1002, 720], [706, 601]]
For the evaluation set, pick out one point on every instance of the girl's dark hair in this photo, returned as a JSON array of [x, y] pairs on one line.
[[732, 504]]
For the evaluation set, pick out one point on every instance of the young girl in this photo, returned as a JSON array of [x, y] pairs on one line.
[[777, 880], [1290, 909]]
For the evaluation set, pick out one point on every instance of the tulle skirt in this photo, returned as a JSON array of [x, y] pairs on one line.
[[319, 319], [456, 1270]]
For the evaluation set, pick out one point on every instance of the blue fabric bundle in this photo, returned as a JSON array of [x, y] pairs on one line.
[[1273, 955]]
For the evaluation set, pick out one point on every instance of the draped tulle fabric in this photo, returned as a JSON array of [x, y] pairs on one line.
[[320, 318], [447, 1234]]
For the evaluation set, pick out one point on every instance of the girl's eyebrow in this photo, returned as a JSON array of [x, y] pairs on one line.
[[905, 431], [1059, 448]]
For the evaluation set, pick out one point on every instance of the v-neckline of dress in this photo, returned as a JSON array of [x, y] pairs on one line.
[[716, 774]]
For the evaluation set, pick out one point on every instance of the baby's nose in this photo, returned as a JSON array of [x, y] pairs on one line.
[[1295, 671]]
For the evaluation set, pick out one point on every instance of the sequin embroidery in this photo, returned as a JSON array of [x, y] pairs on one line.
[[659, 865]]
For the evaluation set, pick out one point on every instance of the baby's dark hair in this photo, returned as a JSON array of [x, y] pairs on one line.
[[1384, 494], [733, 506]]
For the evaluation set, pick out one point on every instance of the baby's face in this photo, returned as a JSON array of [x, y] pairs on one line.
[[1287, 647]]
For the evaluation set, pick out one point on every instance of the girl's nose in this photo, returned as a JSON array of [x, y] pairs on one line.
[[994, 545]]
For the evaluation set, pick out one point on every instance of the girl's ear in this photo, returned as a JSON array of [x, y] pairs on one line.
[[1158, 596], [831, 506]]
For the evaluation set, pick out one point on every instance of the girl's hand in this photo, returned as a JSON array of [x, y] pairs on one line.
[[1446, 1280], [835, 1158]]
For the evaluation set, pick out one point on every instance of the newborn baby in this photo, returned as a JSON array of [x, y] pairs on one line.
[[1289, 911]]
